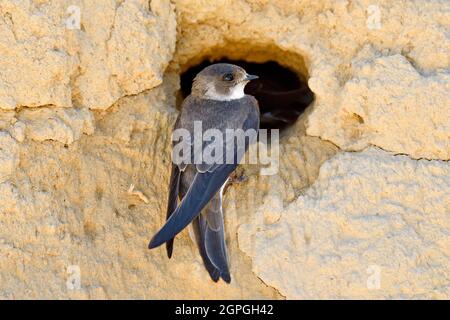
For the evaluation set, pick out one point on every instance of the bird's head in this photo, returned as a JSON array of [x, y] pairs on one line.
[[221, 81]]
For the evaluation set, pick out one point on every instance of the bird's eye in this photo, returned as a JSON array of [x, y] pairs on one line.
[[228, 77]]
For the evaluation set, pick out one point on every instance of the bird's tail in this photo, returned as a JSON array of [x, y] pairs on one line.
[[210, 236]]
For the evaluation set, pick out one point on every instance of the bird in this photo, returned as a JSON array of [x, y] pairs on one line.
[[218, 100]]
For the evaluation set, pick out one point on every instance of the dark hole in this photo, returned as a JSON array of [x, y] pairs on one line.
[[281, 94]]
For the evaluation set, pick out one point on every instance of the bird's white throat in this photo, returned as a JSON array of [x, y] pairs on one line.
[[237, 92]]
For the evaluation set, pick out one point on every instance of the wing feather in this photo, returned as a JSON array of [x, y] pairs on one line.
[[172, 202], [203, 188]]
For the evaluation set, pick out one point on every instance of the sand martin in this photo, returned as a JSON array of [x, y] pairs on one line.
[[217, 102]]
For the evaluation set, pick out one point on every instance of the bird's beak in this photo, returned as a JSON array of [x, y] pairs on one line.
[[251, 77]]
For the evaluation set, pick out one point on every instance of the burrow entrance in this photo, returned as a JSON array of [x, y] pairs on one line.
[[281, 93]]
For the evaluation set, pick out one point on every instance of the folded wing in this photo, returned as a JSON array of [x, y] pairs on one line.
[[203, 188]]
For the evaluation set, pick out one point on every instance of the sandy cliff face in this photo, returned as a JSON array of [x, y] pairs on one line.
[[360, 207]]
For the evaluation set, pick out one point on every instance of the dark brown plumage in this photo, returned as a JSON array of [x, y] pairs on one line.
[[218, 101]]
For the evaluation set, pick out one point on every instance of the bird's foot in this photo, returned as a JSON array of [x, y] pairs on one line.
[[238, 178]]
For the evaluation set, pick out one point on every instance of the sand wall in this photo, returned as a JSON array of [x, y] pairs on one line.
[[360, 207]]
